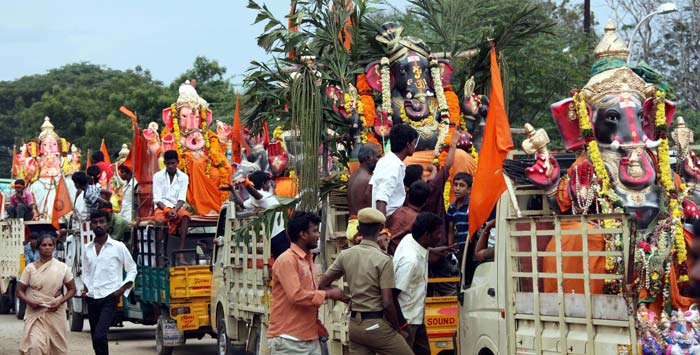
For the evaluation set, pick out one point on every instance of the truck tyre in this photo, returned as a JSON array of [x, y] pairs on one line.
[[160, 348], [75, 319], [224, 344]]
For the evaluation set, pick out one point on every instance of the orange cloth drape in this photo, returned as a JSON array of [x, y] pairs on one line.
[[489, 182], [203, 191], [574, 264]]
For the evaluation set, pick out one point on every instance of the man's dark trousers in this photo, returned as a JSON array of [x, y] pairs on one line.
[[101, 313]]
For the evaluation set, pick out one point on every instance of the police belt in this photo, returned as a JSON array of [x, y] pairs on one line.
[[367, 315]]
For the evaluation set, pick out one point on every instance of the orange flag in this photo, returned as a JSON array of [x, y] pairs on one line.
[[236, 135], [13, 171], [489, 183], [103, 148], [89, 162], [61, 204]]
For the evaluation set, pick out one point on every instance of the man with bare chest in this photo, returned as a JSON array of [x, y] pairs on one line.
[[359, 189]]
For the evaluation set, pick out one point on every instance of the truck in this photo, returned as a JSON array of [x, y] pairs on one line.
[[241, 283], [13, 233], [172, 286], [506, 307]]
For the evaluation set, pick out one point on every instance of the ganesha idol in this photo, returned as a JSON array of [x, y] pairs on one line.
[[416, 89], [187, 131], [43, 166], [619, 124]]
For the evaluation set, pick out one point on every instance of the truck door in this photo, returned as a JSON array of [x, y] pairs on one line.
[[480, 315]]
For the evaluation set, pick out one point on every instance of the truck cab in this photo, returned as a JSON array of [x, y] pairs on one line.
[[516, 304]]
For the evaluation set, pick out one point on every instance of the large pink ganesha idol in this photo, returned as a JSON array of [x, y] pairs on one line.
[[193, 118], [187, 131]]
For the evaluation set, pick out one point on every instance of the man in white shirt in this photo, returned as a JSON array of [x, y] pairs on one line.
[[411, 273], [257, 184], [169, 196], [102, 264], [388, 193], [127, 207]]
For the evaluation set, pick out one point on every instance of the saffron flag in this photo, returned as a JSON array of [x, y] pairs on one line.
[[89, 162], [61, 204], [236, 135], [489, 182], [103, 149], [15, 169]]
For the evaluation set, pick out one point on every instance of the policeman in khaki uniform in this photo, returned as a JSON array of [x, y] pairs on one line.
[[369, 272]]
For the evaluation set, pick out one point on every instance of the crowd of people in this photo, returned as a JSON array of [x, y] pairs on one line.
[[401, 234], [398, 224]]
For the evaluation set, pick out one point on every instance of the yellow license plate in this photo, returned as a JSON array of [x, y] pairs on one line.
[[187, 322]]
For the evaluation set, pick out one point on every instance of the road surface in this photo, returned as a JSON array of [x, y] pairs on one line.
[[133, 339]]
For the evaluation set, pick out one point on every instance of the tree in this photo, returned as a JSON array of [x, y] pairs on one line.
[[671, 44]]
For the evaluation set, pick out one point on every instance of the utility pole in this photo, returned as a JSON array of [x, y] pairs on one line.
[[586, 16]]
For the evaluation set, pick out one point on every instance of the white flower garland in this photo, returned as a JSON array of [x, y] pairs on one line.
[[386, 86], [444, 126], [439, 91]]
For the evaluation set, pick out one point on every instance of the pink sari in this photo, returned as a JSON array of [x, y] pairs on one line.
[[45, 331]]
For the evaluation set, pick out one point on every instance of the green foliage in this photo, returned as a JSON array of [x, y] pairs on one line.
[[83, 99], [264, 220]]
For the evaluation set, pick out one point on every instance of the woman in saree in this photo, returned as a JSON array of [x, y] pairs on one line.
[[41, 289]]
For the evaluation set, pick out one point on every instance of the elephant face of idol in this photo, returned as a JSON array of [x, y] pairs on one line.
[[619, 121], [412, 87]]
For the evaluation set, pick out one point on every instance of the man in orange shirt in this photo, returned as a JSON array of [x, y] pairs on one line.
[[294, 325]]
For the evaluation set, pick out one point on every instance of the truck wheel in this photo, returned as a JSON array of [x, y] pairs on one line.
[[74, 318], [160, 348], [20, 307]]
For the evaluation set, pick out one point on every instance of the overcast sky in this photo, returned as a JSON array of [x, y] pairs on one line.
[[161, 36]]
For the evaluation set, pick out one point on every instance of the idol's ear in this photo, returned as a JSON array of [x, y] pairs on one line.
[[373, 73], [567, 120], [649, 124], [168, 118], [445, 71]]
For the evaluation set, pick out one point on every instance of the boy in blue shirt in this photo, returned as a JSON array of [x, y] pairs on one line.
[[458, 212]]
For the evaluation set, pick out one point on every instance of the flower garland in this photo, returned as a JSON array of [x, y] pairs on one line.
[[386, 86], [367, 111], [666, 179], [182, 165], [207, 144], [607, 199]]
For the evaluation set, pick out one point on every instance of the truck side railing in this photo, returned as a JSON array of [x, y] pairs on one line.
[[556, 276]]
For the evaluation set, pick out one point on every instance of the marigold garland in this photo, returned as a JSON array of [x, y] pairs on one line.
[[367, 116], [583, 117], [660, 118], [454, 112], [182, 165], [666, 179]]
